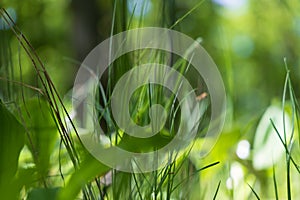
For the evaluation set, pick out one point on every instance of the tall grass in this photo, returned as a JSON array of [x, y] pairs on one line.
[[89, 174], [79, 174]]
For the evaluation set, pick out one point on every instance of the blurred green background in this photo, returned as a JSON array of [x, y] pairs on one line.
[[247, 39]]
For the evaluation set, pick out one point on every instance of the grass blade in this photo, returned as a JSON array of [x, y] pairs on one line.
[[216, 193], [286, 149], [187, 14], [275, 183], [201, 169], [253, 191]]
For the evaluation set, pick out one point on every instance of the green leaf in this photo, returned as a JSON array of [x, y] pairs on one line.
[[89, 169], [42, 131], [43, 193], [26, 177], [134, 144], [11, 142]]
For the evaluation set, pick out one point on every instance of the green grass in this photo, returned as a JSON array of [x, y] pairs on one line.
[[52, 163]]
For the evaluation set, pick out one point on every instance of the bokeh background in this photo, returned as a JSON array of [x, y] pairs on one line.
[[248, 40]]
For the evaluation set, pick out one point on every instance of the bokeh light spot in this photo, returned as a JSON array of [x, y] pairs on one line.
[[13, 15], [243, 149], [139, 7]]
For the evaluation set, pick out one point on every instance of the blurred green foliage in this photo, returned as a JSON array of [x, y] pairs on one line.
[[248, 41]]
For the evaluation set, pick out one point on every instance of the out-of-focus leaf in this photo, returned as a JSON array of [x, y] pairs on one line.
[[267, 148], [26, 177], [11, 142], [43, 193], [43, 133], [134, 144], [221, 149], [89, 169]]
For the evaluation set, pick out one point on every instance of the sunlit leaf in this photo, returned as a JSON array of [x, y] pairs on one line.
[[267, 148]]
